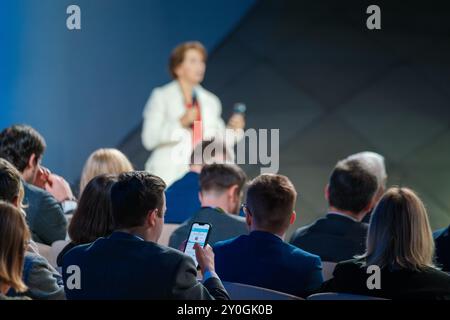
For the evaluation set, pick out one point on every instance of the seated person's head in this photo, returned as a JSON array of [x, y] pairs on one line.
[[11, 188], [139, 204], [14, 237], [270, 204], [399, 233], [209, 152], [221, 186], [93, 216], [351, 189], [23, 147], [374, 162], [104, 161]]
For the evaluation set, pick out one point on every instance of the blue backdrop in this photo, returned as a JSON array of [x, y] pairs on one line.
[[86, 89]]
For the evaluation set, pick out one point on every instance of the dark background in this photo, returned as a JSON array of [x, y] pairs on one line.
[[310, 68]]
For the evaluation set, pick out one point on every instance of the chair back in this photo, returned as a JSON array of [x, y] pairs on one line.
[[239, 291], [341, 296]]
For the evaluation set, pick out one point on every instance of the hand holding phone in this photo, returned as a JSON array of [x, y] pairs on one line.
[[199, 234], [205, 258]]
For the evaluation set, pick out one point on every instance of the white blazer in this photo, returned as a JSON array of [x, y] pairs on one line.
[[163, 133]]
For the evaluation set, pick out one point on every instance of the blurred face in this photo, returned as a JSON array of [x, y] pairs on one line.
[[193, 67]]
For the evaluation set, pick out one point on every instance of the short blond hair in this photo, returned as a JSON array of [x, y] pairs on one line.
[[399, 232], [14, 238], [104, 161]]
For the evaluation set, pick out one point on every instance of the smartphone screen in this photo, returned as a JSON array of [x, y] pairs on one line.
[[198, 234]]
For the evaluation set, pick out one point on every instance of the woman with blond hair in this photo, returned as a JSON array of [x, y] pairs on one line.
[[14, 238], [398, 263], [104, 161]]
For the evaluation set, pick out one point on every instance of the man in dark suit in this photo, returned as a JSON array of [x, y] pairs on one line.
[[220, 196], [341, 234], [182, 196], [24, 147], [130, 264], [442, 242], [262, 258]]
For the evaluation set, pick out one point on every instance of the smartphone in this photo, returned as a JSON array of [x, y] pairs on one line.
[[199, 234]]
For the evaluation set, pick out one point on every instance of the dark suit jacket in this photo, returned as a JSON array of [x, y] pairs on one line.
[[45, 216], [182, 198], [124, 266], [263, 259], [442, 241], [351, 277], [67, 248], [224, 226], [333, 238]]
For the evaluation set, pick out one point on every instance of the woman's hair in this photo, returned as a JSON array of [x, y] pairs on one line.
[[178, 54], [104, 161], [14, 238], [399, 233], [93, 218]]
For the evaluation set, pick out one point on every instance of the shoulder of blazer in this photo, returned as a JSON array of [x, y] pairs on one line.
[[169, 90], [158, 249], [351, 267], [40, 197], [208, 95], [444, 232]]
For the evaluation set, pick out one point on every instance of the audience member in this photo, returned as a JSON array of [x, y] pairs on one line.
[[400, 244], [104, 161], [340, 235], [220, 196], [182, 195], [24, 147], [442, 242], [262, 258], [40, 277], [129, 264], [375, 164], [14, 235], [93, 217]]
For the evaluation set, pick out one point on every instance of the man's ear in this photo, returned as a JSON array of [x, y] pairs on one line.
[[200, 196], [151, 217], [248, 217], [293, 218], [32, 161], [326, 192], [232, 191]]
